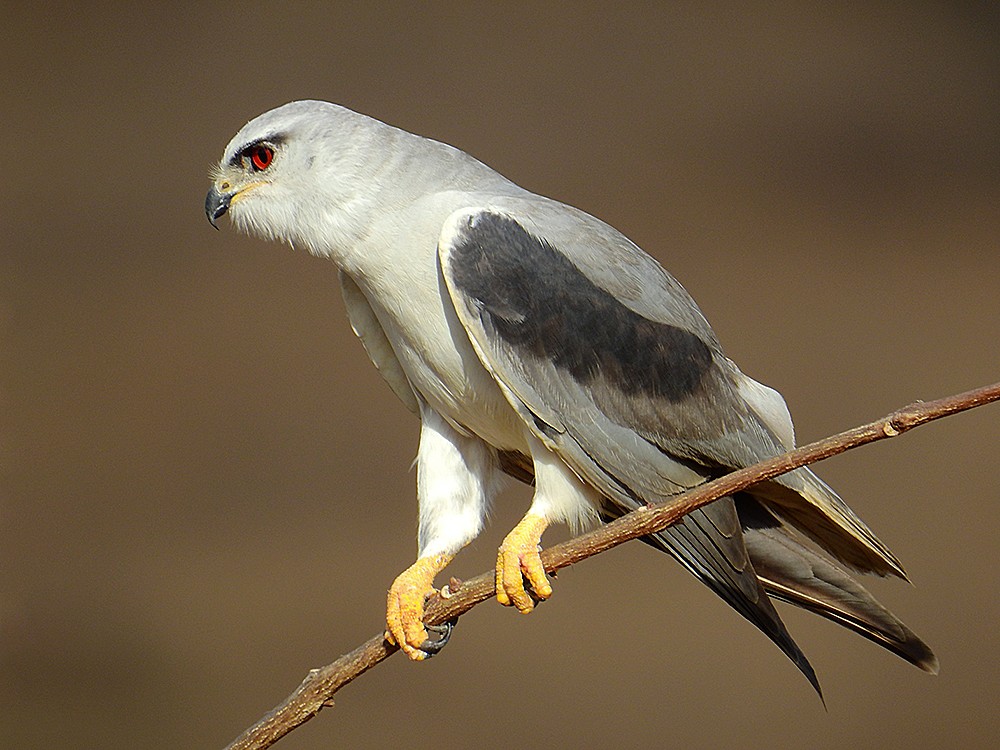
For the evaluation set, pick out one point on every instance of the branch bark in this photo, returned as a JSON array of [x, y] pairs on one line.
[[318, 688]]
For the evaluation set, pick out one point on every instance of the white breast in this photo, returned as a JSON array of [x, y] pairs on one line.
[[396, 267]]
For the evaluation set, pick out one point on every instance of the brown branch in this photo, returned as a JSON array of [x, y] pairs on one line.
[[319, 686]]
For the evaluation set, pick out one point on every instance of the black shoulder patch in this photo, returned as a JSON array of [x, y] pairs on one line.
[[543, 305]]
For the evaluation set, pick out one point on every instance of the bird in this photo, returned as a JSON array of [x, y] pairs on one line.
[[533, 340]]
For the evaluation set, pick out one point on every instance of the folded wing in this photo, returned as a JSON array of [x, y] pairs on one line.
[[609, 362]]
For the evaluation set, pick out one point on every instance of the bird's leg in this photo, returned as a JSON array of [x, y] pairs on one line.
[[560, 495], [405, 606], [518, 561], [456, 477]]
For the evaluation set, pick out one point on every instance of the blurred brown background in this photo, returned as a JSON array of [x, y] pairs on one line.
[[206, 487]]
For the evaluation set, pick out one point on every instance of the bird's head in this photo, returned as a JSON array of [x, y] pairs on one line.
[[295, 174]]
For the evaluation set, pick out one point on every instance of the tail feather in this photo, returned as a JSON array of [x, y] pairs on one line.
[[806, 501], [795, 573], [812, 507]]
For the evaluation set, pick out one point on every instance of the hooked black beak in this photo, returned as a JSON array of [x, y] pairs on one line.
[[216, 204]]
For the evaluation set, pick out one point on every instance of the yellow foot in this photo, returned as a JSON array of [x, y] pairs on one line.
[[405, 606], [518, 560]]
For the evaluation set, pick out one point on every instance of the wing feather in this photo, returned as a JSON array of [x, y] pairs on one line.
[[558, 392], [608, 361], [645, 389]]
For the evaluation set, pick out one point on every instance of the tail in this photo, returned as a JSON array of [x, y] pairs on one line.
[[813, 508], [797, 574]]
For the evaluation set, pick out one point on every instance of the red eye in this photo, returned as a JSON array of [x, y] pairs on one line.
[[261, 157]]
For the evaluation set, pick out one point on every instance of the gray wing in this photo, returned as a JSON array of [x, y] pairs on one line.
[[607, 357], [583, 371]]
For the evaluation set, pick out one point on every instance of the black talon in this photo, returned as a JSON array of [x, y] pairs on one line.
[[442, 635], [534, 597]]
